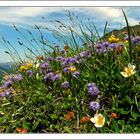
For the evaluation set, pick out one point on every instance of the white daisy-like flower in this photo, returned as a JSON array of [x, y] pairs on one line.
[[98, 120], [129, 71]]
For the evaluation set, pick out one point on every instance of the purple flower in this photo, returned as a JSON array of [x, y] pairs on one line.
[[49, 76], [77, 57], [76, 73], [102, 47], [65, 84], [63, 52], [71, 60], [17, 77], [91, 85], [49, 59], [44, 65], [66, 70], [136, 40], [29, 72], [59, 58], [8, 83], [56, 77], [64, 63], [94, 106], [93, 89], [127, 38]]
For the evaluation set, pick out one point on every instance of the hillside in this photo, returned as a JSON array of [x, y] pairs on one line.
[[135, 31]]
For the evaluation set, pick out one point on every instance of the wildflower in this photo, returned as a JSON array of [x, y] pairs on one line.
[[84, 54], [21, 130], [17, 77], [72, 69], [22, 68], [94, 106], [29, 65], [113, 39], [93, 89], [40, 57], [56, 77], [8, 83], [128, 71], [113, 115], [76, 74], [71, 60], [49, 59], [77, 57], [119, 49], [85, 119], [49, 76], [44, 65], [66, 70], [25, 67], [98, 120], [29, 72], [69, 116], [66, 48], [65, 84], [6, 77], [136, 40], [102, 47], [59, 58]]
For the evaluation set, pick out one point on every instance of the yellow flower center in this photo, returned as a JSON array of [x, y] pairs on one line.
[[129, 71], [72, 69], [100, 120]]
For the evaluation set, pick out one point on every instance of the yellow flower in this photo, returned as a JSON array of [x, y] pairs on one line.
[[5, 77], [98, 120], [113, 39], [72, 69], [128, 71], [29, 65], [22, 68]]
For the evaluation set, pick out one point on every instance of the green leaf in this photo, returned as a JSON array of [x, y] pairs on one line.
[[53, 116], [123, 112], [115, 126], [35, 125], [26, 125], [67, 129], [121, 122]]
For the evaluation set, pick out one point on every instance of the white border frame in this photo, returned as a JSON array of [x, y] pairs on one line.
[[70, 4]]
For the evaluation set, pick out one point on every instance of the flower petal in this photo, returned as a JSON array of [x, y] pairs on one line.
[[131, 66], [124, 74], [93, 120]]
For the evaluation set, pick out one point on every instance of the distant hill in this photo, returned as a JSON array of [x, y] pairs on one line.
[[135, 31], [5, 67]]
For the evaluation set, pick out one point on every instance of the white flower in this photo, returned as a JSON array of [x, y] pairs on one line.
[[98, 120], [128, 71]]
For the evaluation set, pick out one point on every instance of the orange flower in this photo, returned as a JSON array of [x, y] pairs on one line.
[[114, 115], [66, 48], [69, 116], [119, 49], [85, 119], [40, 57], [21, 130]]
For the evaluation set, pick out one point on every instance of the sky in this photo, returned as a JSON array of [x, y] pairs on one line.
[[25, 18]]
